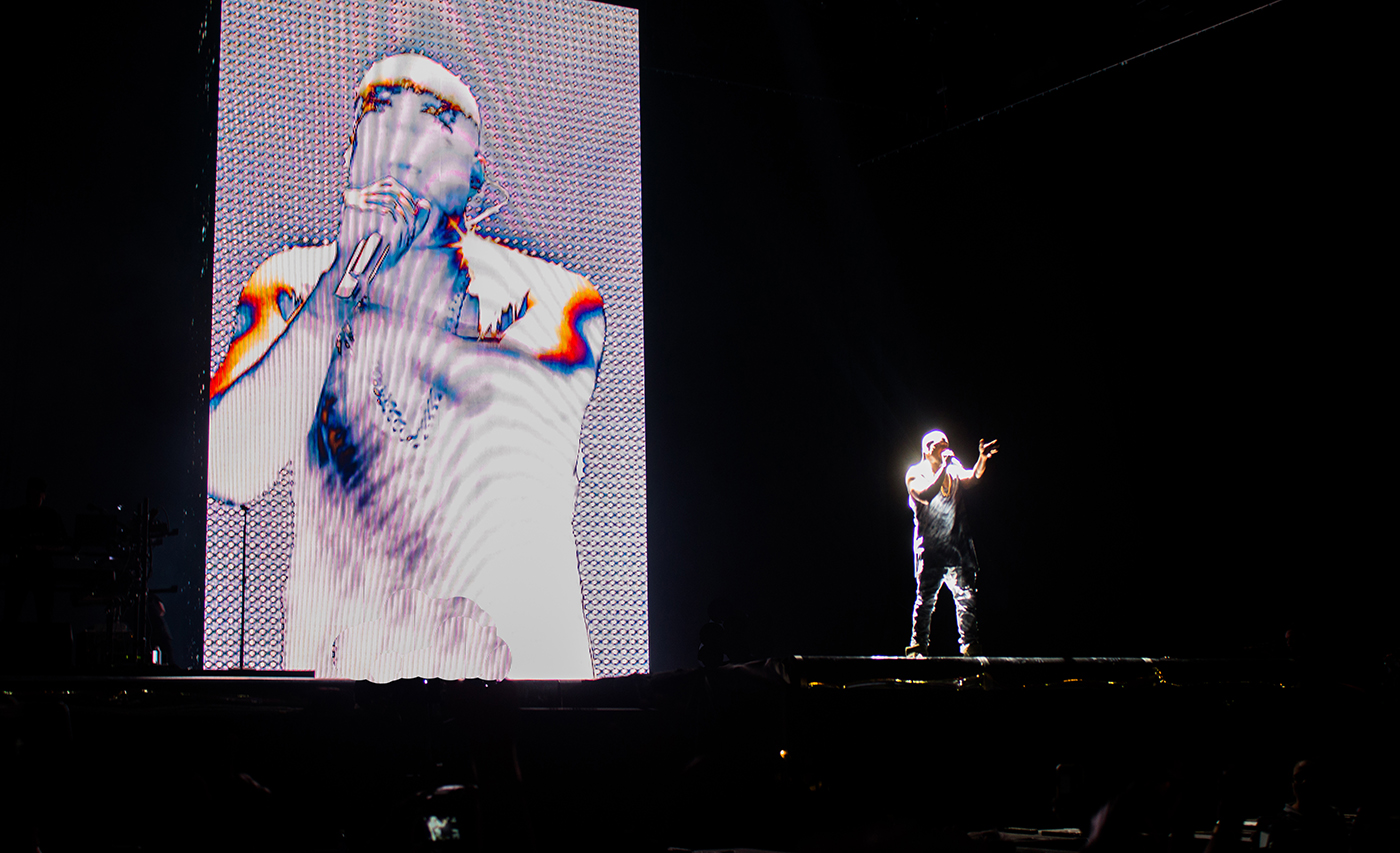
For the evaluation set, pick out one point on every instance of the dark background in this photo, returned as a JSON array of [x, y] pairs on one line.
[[1153, 285]]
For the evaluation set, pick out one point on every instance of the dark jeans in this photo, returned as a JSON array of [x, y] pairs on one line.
[[962, 583]]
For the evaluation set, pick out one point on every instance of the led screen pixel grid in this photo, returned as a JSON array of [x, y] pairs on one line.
[[557, 88]]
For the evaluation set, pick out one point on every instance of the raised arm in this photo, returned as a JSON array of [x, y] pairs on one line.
[[263, 395], [985, 451]]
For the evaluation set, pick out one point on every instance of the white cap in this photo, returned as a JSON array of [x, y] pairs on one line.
[[421, 74], [931, 439]]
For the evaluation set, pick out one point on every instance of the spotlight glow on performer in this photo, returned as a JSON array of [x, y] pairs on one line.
[[944, 555]]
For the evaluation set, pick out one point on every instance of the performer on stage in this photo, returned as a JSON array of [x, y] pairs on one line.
[[943, 553], [429, 386]]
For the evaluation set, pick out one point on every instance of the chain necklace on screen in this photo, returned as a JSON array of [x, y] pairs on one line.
[[394, 416]]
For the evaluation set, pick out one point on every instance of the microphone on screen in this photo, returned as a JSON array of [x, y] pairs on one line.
[[371, 249], [370, 253]]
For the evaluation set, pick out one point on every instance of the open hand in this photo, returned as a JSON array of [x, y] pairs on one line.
[[986, 449]]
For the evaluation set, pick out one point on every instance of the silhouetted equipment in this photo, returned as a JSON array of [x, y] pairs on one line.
[[112, 568]]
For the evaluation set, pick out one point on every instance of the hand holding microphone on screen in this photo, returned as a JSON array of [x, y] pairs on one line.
[[381, 220]]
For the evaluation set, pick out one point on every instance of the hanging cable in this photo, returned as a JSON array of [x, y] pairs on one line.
[[933, 136]]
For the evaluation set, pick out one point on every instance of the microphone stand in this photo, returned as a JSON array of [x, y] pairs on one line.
[[243, 591]]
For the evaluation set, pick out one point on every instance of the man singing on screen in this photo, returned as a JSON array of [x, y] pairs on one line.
[[943, 553], [428, 386]]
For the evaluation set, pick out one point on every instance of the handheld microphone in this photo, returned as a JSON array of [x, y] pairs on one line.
[[368, 250], [371, 251]]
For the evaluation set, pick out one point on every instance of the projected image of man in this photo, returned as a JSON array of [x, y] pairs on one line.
[[943, 553], [429, 386]]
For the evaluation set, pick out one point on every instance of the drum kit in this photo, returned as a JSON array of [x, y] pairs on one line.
[[105, 570]]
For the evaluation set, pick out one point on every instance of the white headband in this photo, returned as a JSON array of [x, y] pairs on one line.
[[422, 74]]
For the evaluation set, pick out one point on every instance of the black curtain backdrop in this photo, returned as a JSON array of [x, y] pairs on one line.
[[1152, 285]]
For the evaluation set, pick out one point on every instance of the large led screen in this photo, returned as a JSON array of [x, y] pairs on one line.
[[426, 416]]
